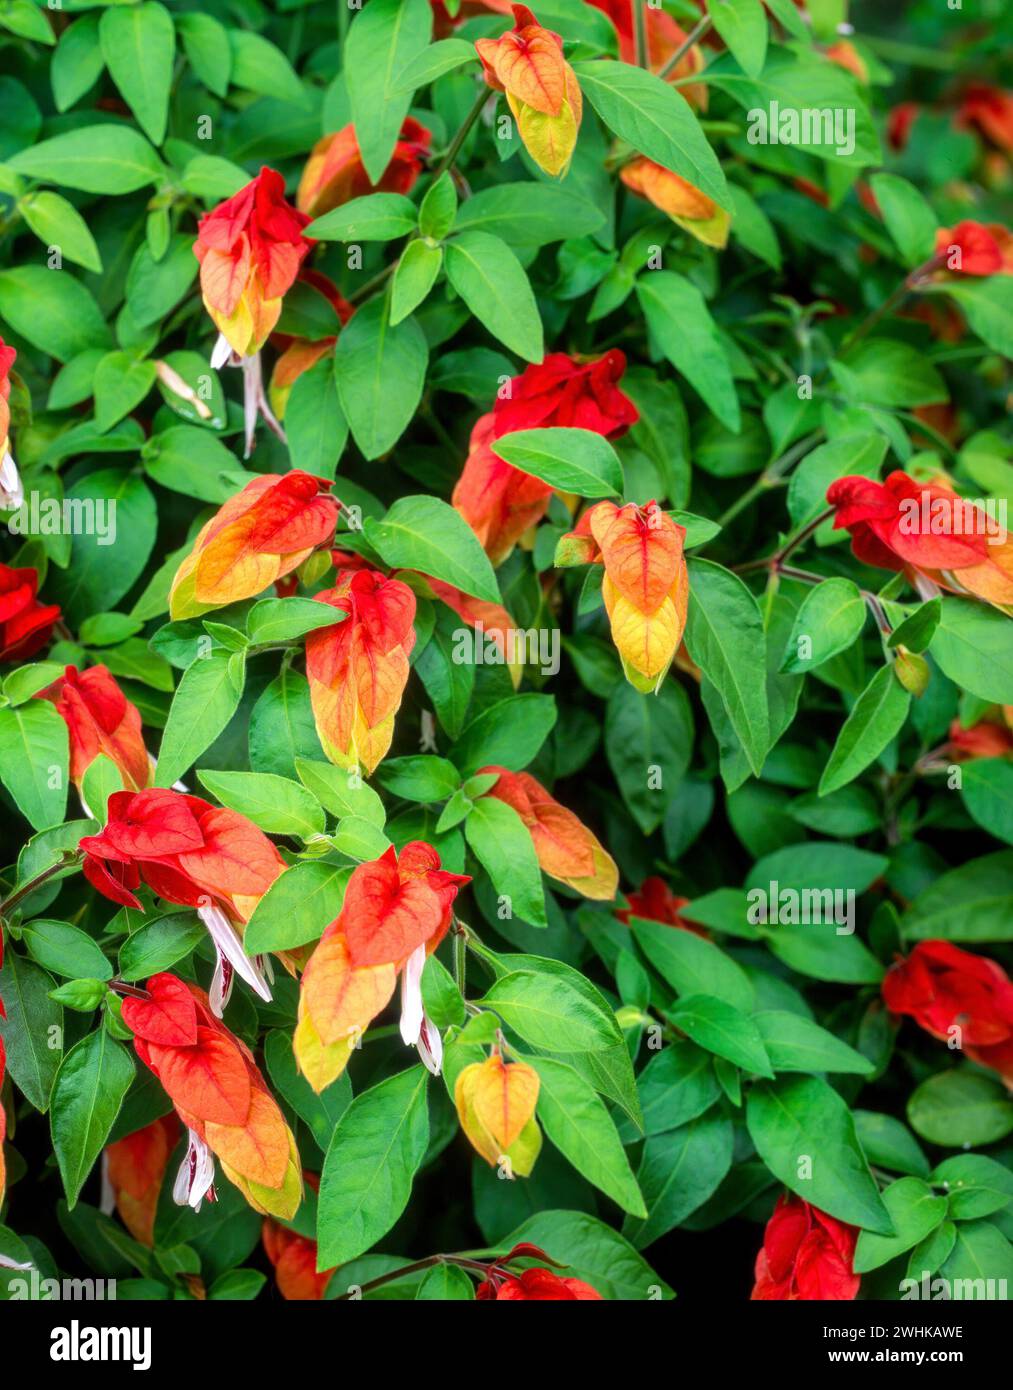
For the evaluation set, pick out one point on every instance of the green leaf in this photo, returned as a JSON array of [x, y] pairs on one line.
[[800, 81], [681, 324], [448, 682], [595, 1253], [110, 159], [77, 63], [58, 223], [976, 1186], [339, 792], [55, 313], [972, 646], [676, 1086], [34, 755], [987, 304], [915, 1211], [981, 1263], [111, 547], [805, 1134], [572, 460], [259, 66], [655, 119], [794, 1043], [438, 208], [446, 1283], [33, 1028], [529, 214], [648, 744], [831, 617], [986, 785], [439, 58], [415, 276], [206, 43], [507, 734], [494, 285], [65, 950], [380, 371], [277, 804], [297, 907], [859, 452], [693, 965], [875, 720], [284, 619], [909, 218], [502, 844], [576, 1121], [419, 777], [548, 1012], [881, 371], [206, 698], [373, 1157], [139, 48], [159, 944], [678, 1172], [425, 534], [743, 26], [383, 39], [722, 1029], [121, 383], [889, 1143], [724, 636], [88, 1091], [187, 459], [373, 217], [960, 1109]]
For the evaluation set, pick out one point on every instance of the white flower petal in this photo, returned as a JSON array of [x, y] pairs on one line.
[[411, 996]]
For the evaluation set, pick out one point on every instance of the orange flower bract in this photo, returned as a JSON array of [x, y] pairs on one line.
[[358, 669], [257, 537], [527, 64]]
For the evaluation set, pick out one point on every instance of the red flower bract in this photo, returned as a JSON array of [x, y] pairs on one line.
[[186, 850], [959, 998], [806, 1255], [536, 1286], [250, 248], [25, 624], [101, 720], [927, 531], [500, 502], [334, 172], [654, 901]]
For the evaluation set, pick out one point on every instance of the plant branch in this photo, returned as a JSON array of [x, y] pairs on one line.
[[403, 1271], [641, 57], [772, 476], [72, 859], [697, 32], [455, 145]]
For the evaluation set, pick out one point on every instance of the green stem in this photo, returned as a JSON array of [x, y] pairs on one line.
[[72, 859], [640, 34], [772, 476], [460, 959], [462, 134], [697, 32], [403, 1271], [373, 283]]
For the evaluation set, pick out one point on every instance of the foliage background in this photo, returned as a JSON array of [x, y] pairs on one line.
[[90, 419]]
